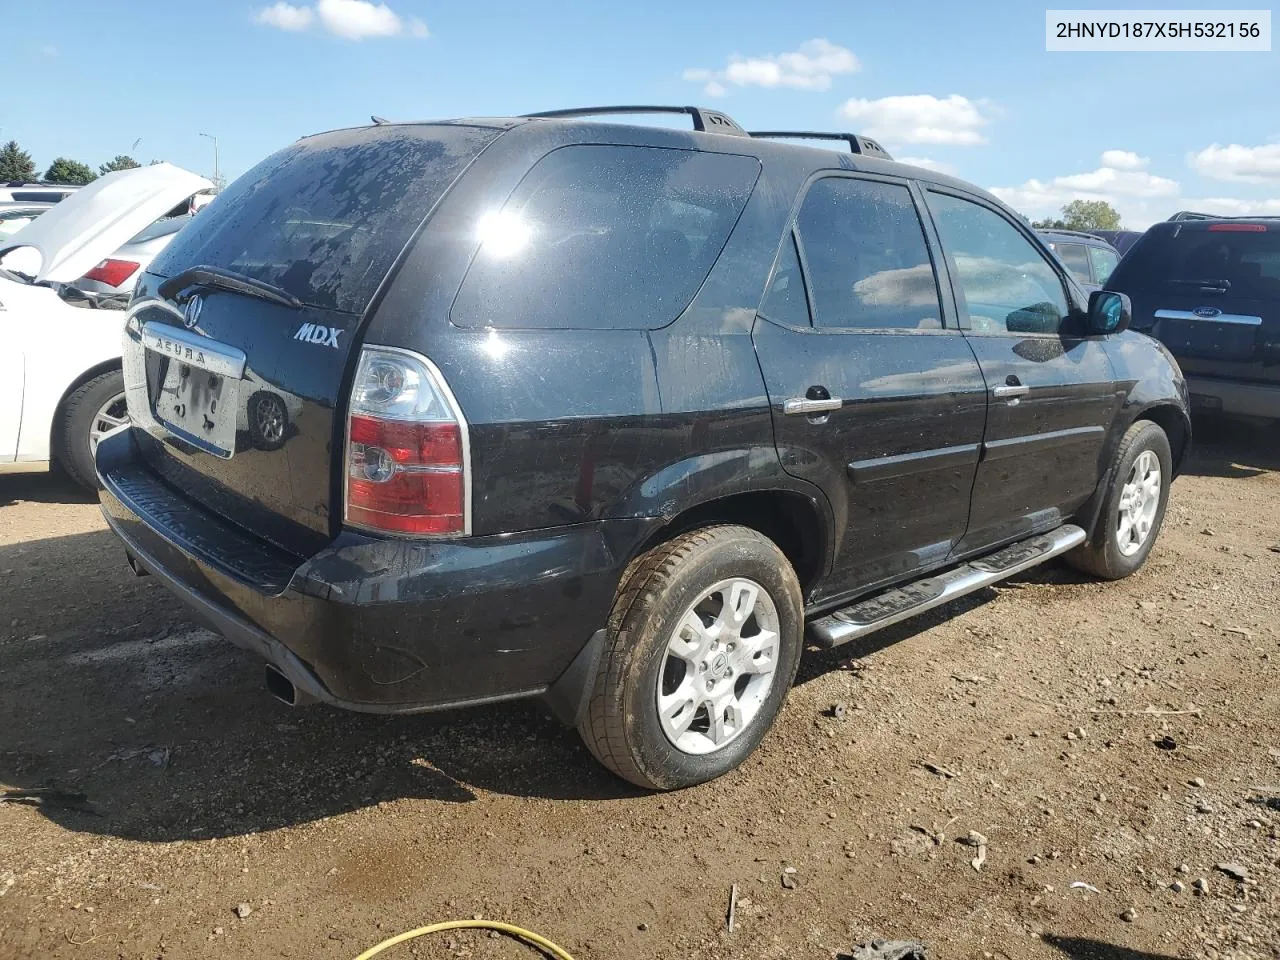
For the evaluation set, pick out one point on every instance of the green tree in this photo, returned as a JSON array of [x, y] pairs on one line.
[[1083, 215], [121, 162], [15, 163], [63, 170]]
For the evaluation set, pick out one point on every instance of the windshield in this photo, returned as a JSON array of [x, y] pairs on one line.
[[325, 218], [1175, 257]]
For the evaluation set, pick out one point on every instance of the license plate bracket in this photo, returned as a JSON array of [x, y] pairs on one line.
[[199, 406], [197, 392]]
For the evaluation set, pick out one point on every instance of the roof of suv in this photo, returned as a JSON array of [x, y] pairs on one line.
[[1074, 236], [855, 151]]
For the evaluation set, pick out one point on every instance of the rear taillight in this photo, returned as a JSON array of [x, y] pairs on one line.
[[1237, 228], [112, 272], [407, 456]]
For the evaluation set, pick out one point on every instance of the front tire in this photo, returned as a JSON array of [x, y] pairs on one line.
[[92, 409], [1134, 506], [703, 643]]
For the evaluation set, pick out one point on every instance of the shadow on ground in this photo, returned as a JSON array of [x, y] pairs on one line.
[[43, 487], [1231, 448], [119, 716], [1085, 948]]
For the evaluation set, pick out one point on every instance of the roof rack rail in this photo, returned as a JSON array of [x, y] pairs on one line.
[[1070, 233], [857, 143], [1184, 215], [704, 120]]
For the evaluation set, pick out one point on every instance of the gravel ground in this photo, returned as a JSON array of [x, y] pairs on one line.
[[1125, 736]]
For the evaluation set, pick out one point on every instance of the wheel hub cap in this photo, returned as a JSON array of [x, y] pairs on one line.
[[718, 667], [1139, 502], [114, 413]]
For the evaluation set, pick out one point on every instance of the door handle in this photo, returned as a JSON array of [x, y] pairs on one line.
[[1010, 390], [803, 405]]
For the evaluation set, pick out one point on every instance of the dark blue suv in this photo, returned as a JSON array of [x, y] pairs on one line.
[[1210, 291], [1090, 258]]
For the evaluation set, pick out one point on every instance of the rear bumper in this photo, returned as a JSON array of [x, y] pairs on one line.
[[382, 626], [1234, 397]]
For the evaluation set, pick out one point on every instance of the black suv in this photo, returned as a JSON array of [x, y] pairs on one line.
[[1089, 257], [1209, 289], [448, 413]]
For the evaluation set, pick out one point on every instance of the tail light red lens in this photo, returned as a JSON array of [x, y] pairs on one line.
[[1237, 228], [112, 272], [407, 454]]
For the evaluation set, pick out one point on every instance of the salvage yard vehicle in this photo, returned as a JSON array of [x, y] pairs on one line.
[[1209, 290], [1088, 256], [614, 416], [60, 383]]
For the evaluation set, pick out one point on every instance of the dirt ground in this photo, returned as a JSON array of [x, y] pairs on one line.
[[1125, 736]]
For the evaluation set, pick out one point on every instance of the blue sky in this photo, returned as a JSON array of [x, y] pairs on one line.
[[967, 86]]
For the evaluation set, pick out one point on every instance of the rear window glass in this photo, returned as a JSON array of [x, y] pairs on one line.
[[1178, 258], [326, 217], [1073, 257], [604, 236]]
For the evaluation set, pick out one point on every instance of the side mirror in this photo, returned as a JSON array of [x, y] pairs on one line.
[[1109, 312]]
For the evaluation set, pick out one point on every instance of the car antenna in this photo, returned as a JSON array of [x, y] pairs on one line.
[[379, 121]]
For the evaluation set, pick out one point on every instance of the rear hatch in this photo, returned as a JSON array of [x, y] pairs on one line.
[[1210, 291], [246, 326]]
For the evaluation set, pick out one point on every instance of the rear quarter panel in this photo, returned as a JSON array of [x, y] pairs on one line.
[[574, 425]]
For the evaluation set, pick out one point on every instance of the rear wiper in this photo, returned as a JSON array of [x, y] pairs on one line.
[[218, 278], [1220, 285]]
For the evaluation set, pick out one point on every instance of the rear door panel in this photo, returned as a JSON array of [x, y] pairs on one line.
[[896, 456]]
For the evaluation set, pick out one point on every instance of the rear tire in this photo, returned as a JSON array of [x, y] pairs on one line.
[[1133, 508], [703, 643], [93, 408]]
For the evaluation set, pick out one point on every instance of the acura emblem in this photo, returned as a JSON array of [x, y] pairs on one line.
[[1208, 313], [191, 312]]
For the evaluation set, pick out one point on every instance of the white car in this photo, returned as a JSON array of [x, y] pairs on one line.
[[60, 382]]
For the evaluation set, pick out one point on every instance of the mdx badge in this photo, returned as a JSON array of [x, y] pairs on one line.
[[318, 333]]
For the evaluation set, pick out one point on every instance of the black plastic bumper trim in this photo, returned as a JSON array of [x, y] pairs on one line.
[[249, 637]]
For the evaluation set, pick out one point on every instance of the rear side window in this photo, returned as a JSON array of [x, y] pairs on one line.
[[1074, 258], [1179, 259], [38, 196], [325, 218], [1104, 262], [600, 236], [867, 261]]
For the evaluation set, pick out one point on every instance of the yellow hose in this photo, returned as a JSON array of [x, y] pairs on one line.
[[519, 933]]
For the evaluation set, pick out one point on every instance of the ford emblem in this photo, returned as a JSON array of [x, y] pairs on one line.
[[1207, 313], [191, 312]]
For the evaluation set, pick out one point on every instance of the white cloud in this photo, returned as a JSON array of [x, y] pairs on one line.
[[1123, 160], [809, 67], [919, 118], [937, 166], [1239, 163], [1141, 197], [284, 16], [349, 19], [357, 19]]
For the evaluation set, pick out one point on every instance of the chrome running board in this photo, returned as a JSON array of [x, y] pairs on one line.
[[891, 606]]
